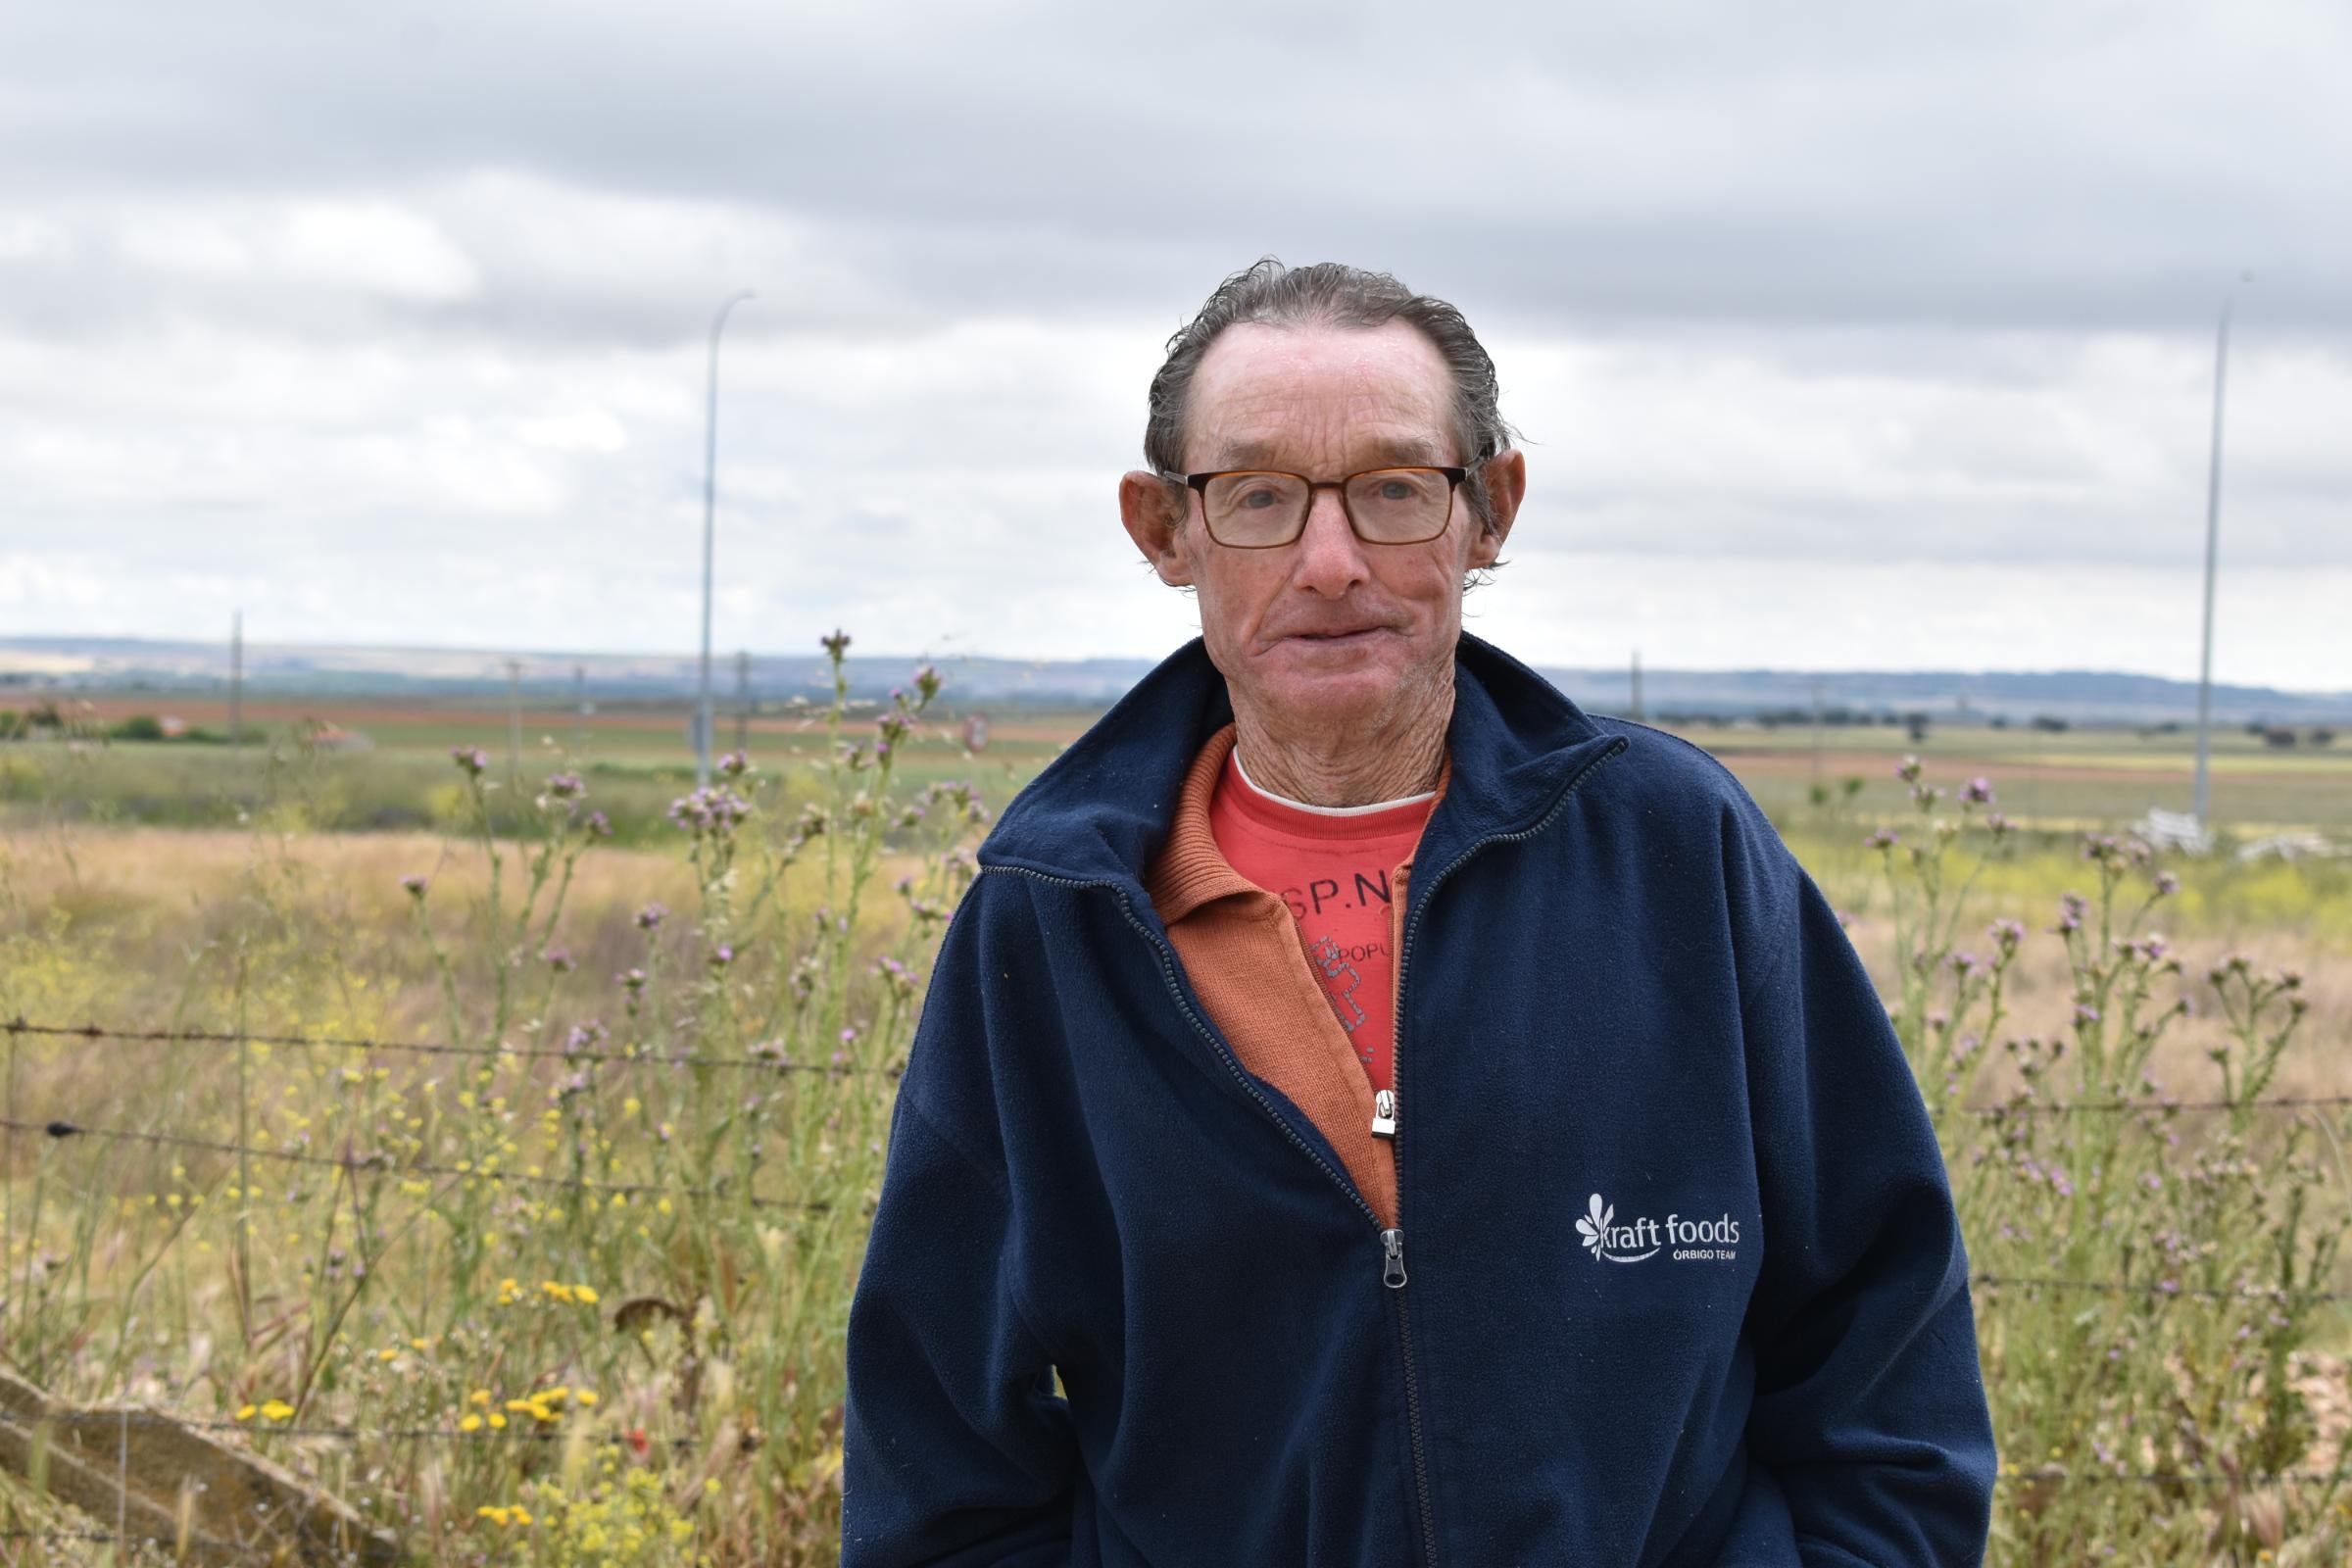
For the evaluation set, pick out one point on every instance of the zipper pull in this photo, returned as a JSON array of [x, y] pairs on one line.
[[1384, 1113], [1392, 1270]]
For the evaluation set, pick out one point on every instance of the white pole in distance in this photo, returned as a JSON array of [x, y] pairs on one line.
[[701, 736]]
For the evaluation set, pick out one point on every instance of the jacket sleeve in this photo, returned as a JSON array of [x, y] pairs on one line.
[[1869, 1411], [954, 1447]]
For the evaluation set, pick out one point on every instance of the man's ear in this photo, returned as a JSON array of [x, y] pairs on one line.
[[1154, 520], [1506, 487]]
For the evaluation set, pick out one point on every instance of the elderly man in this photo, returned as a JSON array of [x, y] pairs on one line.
[[1368, 1110]]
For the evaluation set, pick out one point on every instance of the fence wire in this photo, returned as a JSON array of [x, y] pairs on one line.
[[2084, 1107], [260, 1427], [386, 1164], [381, 1162], [2164, 1288], [764, 1062], [437, 1048]]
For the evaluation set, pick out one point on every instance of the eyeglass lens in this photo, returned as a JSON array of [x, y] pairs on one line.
[[1388, 505]]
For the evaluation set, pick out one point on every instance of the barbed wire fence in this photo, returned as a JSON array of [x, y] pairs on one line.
[[353, 1161]]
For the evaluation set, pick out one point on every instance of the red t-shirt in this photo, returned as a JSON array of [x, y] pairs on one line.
[[1332, 866]]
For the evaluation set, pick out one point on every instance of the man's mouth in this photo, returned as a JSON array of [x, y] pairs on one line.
[[1357, 635]]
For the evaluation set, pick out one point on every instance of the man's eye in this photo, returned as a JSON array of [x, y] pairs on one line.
[[1395, 490], [1258, 499]]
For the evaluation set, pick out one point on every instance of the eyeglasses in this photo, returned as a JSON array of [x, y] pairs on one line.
[[1256, 509]]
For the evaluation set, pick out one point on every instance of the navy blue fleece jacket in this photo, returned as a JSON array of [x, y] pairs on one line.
[[1677, 1279]]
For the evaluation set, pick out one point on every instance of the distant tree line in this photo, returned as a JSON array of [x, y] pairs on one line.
[[46, 722]]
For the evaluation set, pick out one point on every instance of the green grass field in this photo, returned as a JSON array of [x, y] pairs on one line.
[[2105, 777]]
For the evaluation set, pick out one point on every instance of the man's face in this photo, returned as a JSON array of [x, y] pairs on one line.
[[1327, 634]]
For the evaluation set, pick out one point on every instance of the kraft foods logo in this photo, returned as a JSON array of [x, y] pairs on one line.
[[1691, 1241]]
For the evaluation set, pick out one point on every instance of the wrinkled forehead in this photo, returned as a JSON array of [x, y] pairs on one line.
[[1319, 399]]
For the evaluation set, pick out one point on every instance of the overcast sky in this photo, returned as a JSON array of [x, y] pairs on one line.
[[1843, 334]]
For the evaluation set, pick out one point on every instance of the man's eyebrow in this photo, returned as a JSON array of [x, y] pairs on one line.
[[1411, 450]]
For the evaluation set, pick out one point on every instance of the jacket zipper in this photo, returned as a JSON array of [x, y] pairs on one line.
[[1393, 1241], [1392, 1237]]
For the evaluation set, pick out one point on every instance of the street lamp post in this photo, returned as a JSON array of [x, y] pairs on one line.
[[701, 712], [2213, 534]]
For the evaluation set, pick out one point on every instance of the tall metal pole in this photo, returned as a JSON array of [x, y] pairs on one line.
[[514, 728], [1817, 735], [702, 728], [743, 700], [236, 679], [2213, 533]]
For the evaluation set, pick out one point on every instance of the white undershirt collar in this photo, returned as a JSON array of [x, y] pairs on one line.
[[1324, 810]]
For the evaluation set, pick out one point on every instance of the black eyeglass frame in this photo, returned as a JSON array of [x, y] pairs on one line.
[[1454, 475]]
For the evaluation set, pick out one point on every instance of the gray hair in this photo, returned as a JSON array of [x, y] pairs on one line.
[[1334, 294]]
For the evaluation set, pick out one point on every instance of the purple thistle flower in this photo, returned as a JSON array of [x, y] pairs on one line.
[[1978, 791], [722, 956], [651, 916], [597, 825], [2167, 884], [714, 810], [416, 885], [560, 959], [567, 786], [471, 760]]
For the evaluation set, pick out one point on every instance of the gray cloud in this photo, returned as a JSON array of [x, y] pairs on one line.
[[2102, 165], [388, 322]]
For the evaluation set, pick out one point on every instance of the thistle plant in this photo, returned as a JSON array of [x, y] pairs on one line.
[[574, 1279], [2153, 1276]]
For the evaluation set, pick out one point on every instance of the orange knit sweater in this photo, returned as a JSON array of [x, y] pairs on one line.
[[1242, 950]]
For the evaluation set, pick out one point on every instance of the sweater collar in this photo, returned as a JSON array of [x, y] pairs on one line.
[[1191, 869], [1101, 810]]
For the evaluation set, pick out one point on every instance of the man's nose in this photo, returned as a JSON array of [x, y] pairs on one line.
[[1330, 559]]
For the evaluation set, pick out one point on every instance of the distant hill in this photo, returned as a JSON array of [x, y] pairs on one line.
[[121, 663]]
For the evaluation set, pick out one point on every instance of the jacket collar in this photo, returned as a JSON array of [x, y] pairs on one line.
[[1101, 809]]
